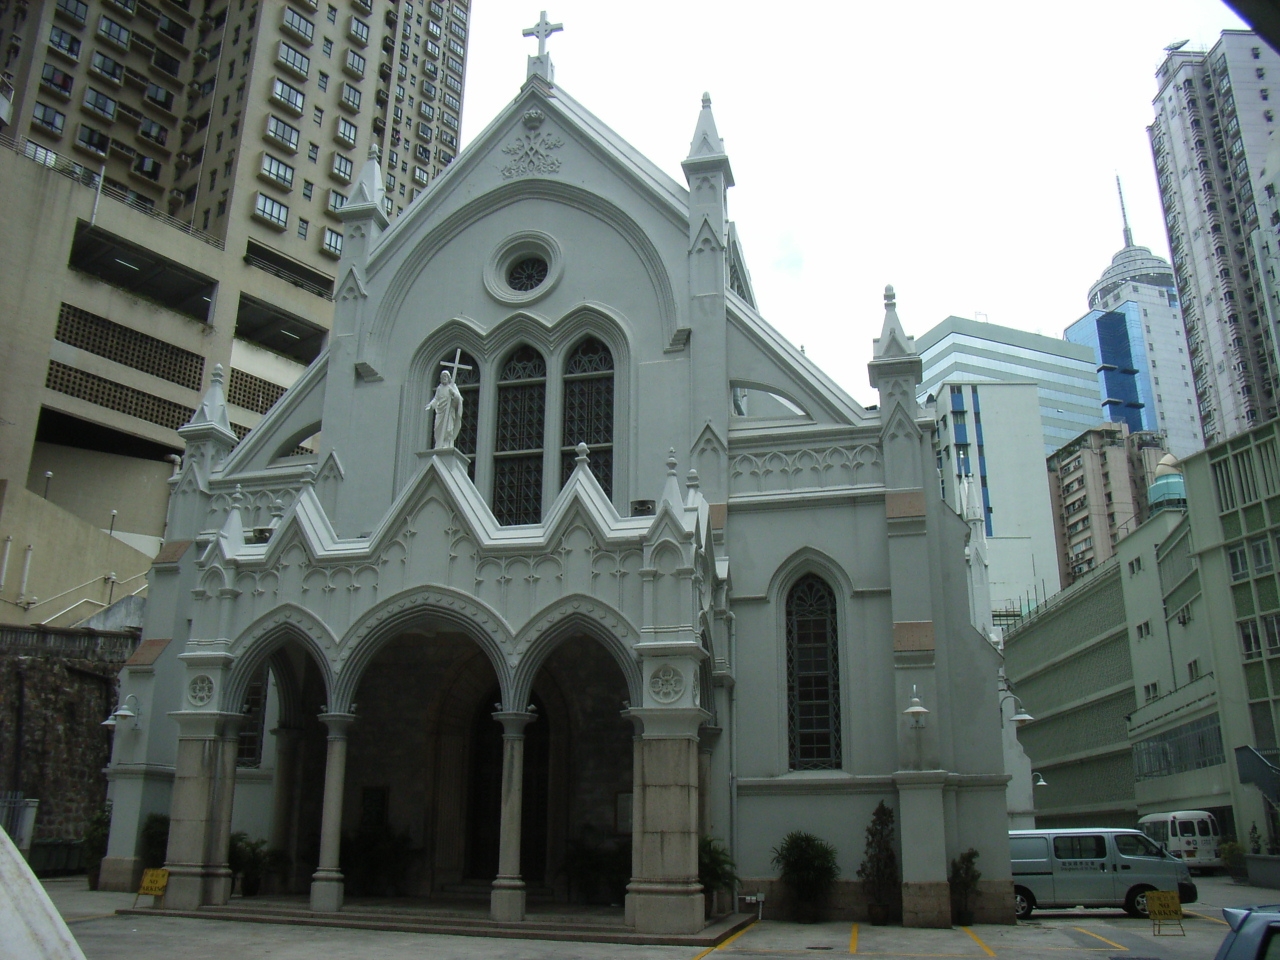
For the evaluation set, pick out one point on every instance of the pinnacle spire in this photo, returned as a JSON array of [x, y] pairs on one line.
[[213, 405], [893, 340], [706, 141], [1124, 216]]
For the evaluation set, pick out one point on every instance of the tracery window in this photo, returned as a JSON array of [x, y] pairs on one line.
[[588, 411], [517, 455], [468, 384], [813, 676]]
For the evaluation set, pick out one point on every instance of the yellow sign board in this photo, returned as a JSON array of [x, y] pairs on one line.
[[1164, 905], [155, 881]]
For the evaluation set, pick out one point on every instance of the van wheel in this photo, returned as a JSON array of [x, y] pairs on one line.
[[1023, 902], [1135, 904]]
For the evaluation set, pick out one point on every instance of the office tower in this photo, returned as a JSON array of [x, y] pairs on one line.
[[1134, 326], [1098, 485], [1214, 117], [1065, 373], [989, 456], [244, 119]]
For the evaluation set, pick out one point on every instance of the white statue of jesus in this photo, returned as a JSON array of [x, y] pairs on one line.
[[447, 403]]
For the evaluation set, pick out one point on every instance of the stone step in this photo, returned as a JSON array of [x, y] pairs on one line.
[[547, 927]]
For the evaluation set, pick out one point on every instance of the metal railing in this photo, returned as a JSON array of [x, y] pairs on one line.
[[81, 174], [288, 277]]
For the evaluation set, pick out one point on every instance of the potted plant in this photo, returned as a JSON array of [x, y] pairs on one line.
[[250, 860], [963, 877], [1232, 854], [96, 832], [154, 840], [879, 869], [716, 870], [808, 868]]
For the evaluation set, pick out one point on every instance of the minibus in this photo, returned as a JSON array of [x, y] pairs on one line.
[[1190, 835]]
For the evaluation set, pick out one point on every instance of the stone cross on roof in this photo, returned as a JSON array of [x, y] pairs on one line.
[[541, 64], [543, 29]]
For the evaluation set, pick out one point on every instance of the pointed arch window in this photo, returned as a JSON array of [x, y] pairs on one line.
[[468, 384], [517, 455], [813, 676], [588, 410]]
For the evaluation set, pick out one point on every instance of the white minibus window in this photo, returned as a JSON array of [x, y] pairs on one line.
[[1186, 828], [1203, 826]]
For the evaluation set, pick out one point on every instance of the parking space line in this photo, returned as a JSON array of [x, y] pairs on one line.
[[1201, 916], [96, 916], [985, 949], [853, 939], [1111, 943], [726, 942]]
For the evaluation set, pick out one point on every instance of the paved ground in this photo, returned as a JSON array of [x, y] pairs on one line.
[[1056, 935]]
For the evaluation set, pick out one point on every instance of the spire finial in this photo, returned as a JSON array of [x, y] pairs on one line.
[[1124, 216], [375, 153], [583, 453], [890, 298], [671, 462], [706, 100], [218, 375]]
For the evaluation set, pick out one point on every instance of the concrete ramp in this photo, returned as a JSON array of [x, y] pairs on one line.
[[33, 929]]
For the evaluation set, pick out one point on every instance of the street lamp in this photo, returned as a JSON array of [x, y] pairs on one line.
[[124, 712], [917, 711], [1038, 780], [1021, 716]]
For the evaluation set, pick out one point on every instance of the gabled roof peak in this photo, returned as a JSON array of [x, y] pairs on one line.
[[212, 412]]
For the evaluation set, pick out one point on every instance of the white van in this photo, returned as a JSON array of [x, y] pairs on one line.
[[1190, 835], [1092, 867]]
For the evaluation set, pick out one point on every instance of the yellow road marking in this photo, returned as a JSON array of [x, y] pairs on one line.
[[853, 939], [726, 942], [1111, 943], [985, 949], [96, 916], [1201, 916]]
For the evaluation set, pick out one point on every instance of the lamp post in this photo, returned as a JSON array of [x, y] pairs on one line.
[[124, 712], [1021, 716]]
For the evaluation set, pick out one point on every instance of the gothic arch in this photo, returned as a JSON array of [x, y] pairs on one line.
[[390, 617], [554, 340], [264, 638], [576, 614], [414, 261]]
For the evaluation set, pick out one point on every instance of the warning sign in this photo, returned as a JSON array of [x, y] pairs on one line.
[[155, 881], [1164, 907]]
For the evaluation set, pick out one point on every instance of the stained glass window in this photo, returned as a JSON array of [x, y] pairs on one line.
[[517, 457], [527, 274], [813, 676], [588, 410], [468, 383]]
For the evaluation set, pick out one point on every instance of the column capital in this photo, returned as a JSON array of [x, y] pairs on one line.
[[205, 724], [513, 722], [666, 723], [337, 724]]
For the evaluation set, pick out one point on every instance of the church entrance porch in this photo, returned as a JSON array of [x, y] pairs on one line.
[[432, 760]]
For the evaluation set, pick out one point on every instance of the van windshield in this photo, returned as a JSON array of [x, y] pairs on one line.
[[1136, 845]]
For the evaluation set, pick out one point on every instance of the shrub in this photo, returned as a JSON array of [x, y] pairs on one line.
[[716, 869], [879, 869], [807, 866], [154, 840]]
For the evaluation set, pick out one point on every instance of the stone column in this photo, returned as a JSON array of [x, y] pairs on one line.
[[197, 807], [708, 737], [218, 878], [507, 900], [284, 788], [926, 894], [326, 882], [637, 814], [665, 895]]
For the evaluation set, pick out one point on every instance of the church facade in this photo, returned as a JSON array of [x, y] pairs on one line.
[[558, 550]]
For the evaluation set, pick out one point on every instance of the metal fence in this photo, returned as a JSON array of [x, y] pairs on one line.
[[18, 819]]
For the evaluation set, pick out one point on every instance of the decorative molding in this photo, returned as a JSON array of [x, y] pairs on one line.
[[531, 155], [666, 684], [786, 471], [200, 690]]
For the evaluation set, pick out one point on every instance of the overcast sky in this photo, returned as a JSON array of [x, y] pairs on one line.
[[963, 152]]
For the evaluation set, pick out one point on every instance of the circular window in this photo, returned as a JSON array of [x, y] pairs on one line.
[[523, 268], [527, 274]]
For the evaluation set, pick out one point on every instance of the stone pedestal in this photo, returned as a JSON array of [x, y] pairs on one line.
[[926, 895], [120, 873], [203, 790], [665, 896], [326, 883], [507, 899]]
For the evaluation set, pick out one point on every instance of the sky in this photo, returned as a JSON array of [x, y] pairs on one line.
[[964, 153]]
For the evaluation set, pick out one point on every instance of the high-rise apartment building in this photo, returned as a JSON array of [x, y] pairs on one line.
[[175, 175], [1214, 117], [244, 119], [1098, 485], [1064, 373], [1134, 327]]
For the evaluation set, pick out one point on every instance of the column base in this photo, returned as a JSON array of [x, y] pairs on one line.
[[217, 885], [326, 891], [666, 907], [185, 890], [926, 904], [120, 874], [507, 900]]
